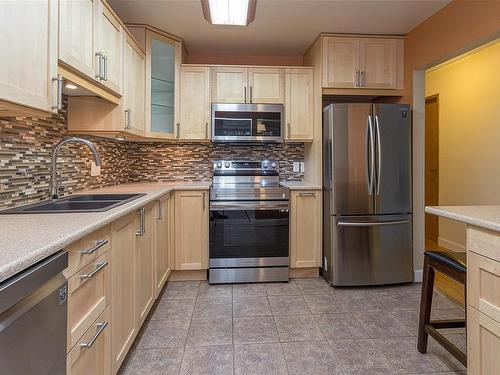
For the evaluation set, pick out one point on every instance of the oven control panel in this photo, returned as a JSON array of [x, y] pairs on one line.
[[245, 165]]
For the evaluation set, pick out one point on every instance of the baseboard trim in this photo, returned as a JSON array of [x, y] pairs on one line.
[[188, 275], [418, 275], [304, 272], [451, 245]]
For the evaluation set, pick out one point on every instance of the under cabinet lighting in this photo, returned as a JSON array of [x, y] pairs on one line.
[[229, 12], [71, 86]]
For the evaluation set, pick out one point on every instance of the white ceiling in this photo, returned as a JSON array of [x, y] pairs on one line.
[[281, 27]]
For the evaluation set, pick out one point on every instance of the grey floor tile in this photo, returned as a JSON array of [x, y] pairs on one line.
[[311, 357], [342, 325], [154, 362], [249, 290], [173, 309], [360, 356], [357, 300], [163, 334], [316, 285], [404, 357], [377, 324], [325, 303], [288, 305], [444, 355], [297, 328], [283, 289], [251, 306], [409, 318], [207, 332], [209, 291], [208, 360], [213, 307], [259, 359], [249, 330], [181, 289]]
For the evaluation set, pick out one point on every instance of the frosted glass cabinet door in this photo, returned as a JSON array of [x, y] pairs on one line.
[[163, 73]]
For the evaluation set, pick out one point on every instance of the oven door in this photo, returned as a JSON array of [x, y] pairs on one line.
[[249, 234]]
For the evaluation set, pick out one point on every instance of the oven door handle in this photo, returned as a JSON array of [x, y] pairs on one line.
[[254, 205]]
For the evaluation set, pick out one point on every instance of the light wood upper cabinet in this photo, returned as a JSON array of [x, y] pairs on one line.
[[109, 44], [340, 62], [229, 84], [305, 228], [144, 262], [163, 241], [191, 230], [28, 54], [134, 89], [123, 288], [378, 63], [77, 35], [299, 104], [163, 61], [195, 103], [266, 85], [367, 63]]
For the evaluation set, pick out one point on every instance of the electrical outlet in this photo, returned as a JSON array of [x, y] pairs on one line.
[[302, 167], [95, 170], [296, 166]]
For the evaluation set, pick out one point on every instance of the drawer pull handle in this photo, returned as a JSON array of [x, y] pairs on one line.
[[100, 328], [94, 248], [307, 194], [98, 268]]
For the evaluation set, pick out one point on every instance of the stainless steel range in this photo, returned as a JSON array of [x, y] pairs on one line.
[[249, 223]]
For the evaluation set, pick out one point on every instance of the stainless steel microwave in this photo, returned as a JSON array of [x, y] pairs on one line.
[[234, 123]]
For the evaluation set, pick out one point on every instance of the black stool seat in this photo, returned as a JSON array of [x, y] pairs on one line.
[[455, 260]]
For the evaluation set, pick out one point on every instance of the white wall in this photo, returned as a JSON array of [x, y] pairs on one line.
[[469, 134]]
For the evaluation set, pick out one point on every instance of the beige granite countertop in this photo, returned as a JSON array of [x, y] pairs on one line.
[[300, 185], [28, 238], [487, 217]]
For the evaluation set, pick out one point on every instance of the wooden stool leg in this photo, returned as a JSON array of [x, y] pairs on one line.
[[425, 305]]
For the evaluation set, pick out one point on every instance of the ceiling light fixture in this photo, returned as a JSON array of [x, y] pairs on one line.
[[229, 12], [71, 86]]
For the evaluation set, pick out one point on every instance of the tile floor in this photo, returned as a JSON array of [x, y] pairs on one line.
[[297, 328]]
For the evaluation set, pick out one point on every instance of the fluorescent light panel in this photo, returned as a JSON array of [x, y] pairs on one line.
[[229, 12]]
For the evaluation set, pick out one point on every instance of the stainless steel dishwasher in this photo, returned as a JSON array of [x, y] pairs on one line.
[[33, 319]]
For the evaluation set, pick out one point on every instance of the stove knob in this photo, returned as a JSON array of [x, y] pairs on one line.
[[227, 165], [219, 165], [273, 165], [265, 165]]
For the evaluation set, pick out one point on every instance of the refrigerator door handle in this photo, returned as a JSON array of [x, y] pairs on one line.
[[371, 224], [370, 153], [379, 155]]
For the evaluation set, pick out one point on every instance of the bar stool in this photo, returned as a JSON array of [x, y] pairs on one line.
[[453, 265]]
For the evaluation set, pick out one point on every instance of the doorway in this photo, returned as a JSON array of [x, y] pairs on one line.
[[431, 166]]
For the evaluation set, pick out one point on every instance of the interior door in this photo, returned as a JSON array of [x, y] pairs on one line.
[[352, 155], [432, 165], [371, 250], [392, 158]]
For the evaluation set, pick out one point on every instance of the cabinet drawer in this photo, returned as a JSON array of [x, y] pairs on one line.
[[483, 343], [484, 242], [483, 284], [92, 354], [88, 296], [87, 249]]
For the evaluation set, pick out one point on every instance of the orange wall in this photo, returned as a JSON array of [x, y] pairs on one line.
[[460, 26], [243, 59]]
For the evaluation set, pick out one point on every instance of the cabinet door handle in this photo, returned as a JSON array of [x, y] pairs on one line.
[[100, 328], [142, 230], [245, 92], [127, 119], [59, 85], [178, 130], [356, 83], [204, 203], [251, 94], [105, 73], [363, 78], [288, 130], [307, 194], [206, 130], [99, 267], [94, 248], [98, 55], [160, 210]]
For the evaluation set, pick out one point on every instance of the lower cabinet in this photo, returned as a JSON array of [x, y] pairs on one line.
[[191, 230], [305, 228], [163, 241], [91, 355], [483, 343]]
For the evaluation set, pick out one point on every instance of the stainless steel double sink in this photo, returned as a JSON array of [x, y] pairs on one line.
[[76, 203]]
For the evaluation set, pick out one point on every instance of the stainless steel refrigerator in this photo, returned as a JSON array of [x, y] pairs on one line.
[[367, 198]]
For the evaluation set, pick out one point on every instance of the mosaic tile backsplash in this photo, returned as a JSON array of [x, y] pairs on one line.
[[26, 144]]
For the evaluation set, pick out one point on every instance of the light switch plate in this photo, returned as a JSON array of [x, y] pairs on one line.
[[95, 170], [296, 166]]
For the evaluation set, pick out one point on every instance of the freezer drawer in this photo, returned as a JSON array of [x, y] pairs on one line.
[[372, 250]]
